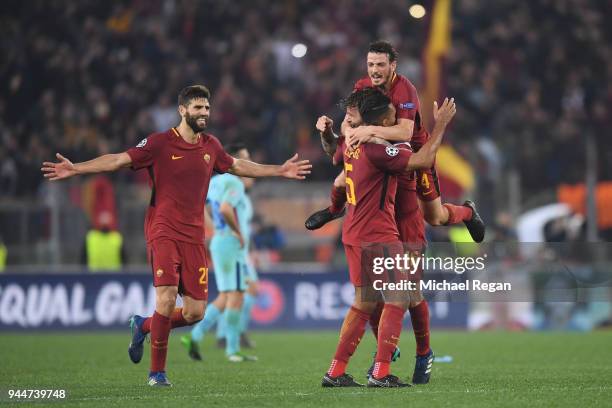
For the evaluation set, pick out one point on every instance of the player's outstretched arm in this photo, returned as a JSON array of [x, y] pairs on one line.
[[424, 158], [65, 168], [292, 168]]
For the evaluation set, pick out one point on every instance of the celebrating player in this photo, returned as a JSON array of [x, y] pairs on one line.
[[180, 162], [232, 212], [371, 219], [382, 64]]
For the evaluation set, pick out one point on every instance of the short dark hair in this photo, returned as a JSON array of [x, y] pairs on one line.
[[233, 148], [374, 105], [383, 47], [191, 92], [371, 103], [354, 100]]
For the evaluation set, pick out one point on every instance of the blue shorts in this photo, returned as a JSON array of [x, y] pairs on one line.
[[229, 262], [251, 272]]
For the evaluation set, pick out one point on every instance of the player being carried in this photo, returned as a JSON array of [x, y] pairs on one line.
[[381, 66], [180, 163], [370, 228], [232, 212]]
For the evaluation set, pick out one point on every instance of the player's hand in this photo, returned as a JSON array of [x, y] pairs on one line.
[[444, 114], [58, 171], [240, 239], [362, 134], [295, 169], [324, 124]]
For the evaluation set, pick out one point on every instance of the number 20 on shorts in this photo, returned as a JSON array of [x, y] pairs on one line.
[[203, 276]]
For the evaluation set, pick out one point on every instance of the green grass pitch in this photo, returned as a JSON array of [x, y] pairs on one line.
[[489, 369]]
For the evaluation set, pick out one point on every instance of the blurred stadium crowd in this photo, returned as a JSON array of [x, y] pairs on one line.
[[87, 77]]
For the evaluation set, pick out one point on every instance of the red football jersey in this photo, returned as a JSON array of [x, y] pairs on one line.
[[370, 191], [180, 173], [406, 197]]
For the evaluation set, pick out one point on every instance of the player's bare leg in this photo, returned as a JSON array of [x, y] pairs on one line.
[[436, 214], [335, 210], [351, 333]]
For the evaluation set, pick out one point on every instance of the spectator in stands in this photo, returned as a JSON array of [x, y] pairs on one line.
[[103, 250]]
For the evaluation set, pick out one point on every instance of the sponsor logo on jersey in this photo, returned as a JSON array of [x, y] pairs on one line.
[[177, 157], [142, 143], [392, 151], [406, 105]]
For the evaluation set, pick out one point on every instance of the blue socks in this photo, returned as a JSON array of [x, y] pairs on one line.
[[232, 331], [245, 313], [210, 317]]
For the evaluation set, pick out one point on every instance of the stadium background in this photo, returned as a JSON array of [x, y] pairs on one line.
[[530, 144]]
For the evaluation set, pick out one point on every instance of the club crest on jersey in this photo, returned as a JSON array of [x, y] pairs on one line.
[[353, 153], [142, 143], [207, 157], [406, 105], [392, 151], [159, 272]]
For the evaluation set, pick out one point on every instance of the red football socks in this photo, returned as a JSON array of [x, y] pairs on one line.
[[160, 330], [338, 199], [457, 213], [375, 318], [146, 325], [420, 325], [350, 335], [177, 319], [388, 336]]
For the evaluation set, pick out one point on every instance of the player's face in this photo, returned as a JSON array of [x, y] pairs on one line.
[[196, 114], [247, 181], [353, 117], [380, 70]]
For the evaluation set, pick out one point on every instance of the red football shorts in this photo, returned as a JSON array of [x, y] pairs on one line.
[[361, 260], [182, 264], [427, 184], [411, 227]]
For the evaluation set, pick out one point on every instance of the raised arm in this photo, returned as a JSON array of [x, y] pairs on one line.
[[424, 158], [292, 168], [329, 140], [65, 168]]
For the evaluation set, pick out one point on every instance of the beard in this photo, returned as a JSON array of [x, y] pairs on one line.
[[192, 121]]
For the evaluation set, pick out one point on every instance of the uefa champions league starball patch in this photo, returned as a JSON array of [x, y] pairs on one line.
[[142, 143], [392, 151]]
